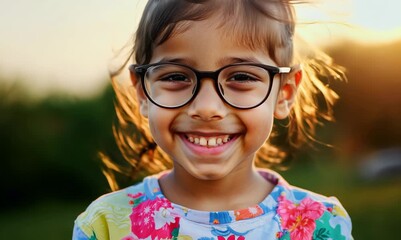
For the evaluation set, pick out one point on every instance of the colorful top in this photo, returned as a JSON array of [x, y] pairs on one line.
[[143, 212]]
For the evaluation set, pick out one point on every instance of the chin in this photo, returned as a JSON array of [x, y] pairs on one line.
[[210, 175]]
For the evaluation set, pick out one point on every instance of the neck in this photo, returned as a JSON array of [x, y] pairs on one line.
[[240, 189]]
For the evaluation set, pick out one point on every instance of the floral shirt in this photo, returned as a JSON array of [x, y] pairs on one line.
[[143, 212]]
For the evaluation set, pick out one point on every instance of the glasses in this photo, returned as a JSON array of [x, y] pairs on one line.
[[241, 85]]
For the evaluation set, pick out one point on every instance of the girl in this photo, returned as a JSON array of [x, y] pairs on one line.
[[210, 77]]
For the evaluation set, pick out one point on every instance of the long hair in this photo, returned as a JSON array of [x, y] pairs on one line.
[[268, 25]]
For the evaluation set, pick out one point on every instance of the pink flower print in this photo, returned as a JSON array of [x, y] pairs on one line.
[[130, 237], [231, 237], [135, 195], [299, 219], [311, 209], [154, 218]]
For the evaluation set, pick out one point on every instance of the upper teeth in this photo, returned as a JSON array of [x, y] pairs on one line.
[[209, 141]]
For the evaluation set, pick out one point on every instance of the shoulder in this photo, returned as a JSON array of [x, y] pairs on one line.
[[302, 211], [109, 212], [112, 202]]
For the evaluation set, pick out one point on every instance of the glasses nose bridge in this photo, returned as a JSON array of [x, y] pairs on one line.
[[203, 75], [207, 74]]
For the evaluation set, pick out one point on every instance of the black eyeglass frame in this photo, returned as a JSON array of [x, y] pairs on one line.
[[272, 71]]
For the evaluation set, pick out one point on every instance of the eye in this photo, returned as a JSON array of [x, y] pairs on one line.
[[175, 77], [242, 77], [173, 81], [241, 81]]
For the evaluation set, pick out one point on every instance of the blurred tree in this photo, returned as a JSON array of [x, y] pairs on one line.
[[368, 113], [49, 148]]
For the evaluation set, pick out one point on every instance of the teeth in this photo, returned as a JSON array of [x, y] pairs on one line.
[[212, 142], [203, 141], [209, 141]]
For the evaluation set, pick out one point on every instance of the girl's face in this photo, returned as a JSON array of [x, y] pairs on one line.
[[232, 136]]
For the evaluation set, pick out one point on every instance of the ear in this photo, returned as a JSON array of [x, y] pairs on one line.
[[140, 94], [288, 92]]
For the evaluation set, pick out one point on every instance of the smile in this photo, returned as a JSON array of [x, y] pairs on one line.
[[212, 141]]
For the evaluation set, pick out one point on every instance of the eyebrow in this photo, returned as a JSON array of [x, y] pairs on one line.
[[221, 62], [231, 60], [177, 60]]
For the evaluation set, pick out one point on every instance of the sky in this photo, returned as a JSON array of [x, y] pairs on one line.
[[66, 46]]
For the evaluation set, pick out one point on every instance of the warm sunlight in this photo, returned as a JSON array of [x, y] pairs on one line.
[[66, 46], [361, 20], [381, 15]]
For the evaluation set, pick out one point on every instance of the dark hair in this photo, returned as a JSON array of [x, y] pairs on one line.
[[258, 24]]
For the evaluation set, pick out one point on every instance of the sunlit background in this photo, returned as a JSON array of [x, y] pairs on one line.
[[56, 110]]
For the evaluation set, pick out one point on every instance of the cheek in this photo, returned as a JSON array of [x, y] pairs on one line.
[[259, 123], [159, 123]]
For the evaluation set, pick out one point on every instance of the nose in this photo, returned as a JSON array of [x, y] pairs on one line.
[[207, 105]]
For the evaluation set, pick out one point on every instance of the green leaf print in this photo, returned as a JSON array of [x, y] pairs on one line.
[[325, 231], [322, 234]]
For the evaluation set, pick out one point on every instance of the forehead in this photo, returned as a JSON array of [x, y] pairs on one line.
[[263, 36], [207, 45], [255, 31]]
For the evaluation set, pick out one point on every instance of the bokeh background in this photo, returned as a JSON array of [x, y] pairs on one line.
[[56, 111]]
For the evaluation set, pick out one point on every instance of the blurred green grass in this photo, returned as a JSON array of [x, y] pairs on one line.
[[44, 220]]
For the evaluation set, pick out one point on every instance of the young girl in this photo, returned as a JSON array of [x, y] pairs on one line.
[[210, 77]]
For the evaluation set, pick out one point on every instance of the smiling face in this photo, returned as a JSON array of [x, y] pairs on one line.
[[207, 138]]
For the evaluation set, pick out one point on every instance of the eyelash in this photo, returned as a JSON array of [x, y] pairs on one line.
[[250, 78], [171, 75]]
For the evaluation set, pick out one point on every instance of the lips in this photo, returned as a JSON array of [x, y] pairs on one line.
[[208, 141]]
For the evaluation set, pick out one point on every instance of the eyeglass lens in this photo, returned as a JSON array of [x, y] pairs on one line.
[[241, 86]]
